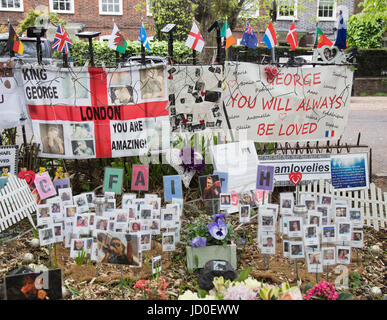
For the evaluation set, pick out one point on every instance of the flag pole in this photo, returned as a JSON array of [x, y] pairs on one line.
[[142, 45], [117, 53], [273, 55]]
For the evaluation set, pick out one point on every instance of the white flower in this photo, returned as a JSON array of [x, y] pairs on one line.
[[188, 295], [295, 293], [252, 283]]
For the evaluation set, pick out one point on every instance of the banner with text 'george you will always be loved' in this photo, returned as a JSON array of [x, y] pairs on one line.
[[97, 112], [287, 103]]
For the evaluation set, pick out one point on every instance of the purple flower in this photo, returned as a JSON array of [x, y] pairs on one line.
[[199, 242], [220, 216], [218, 229], [192, 160]]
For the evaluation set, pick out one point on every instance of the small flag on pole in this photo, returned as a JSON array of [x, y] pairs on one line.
[[270, 37], [14, 43], [142, 37], [321, 39], [329, 133], [249, 38], [61, 41], [195, 40], [117, 41], [341, 39], [292, 37], [227, 34]]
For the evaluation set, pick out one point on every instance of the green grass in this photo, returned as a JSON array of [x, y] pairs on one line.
[[377, 94]]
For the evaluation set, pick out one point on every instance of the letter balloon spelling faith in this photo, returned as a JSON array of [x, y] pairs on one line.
[[140, 177], [113, 180]]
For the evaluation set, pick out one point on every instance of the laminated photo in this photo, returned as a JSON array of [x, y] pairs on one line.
[[167, 218], [70, 212], [225, 200], [175, 208], [156, 265], [122, 219], [94, 252], [244, 214], [309, 201], [127, 200], [101, 224], [146, 212], [357, 239], [266, 221], [46, 285], [179, 202], [155, 203], [285, 248], [343, 232], [132, 212], [210, 187], [109, 195], [145, 241], [314, 261], [43, 215], [326, 199], [88, 244], [323, 209], [270, 207], [329, 234], [155, 227], [168, 241], [119, 248], [247, 198], [69, 237], [138, 203], [90, 196], [268, 243], [56, 209], [66, 195], [296, 249], [58, 232], [356, 217], [81, 223], [329, 256], [77, 247], [294, 227], [110, 205], [46, 236], [91, 222], [343, 254], [81, 202], [341, 213], [176, 231], [312, 247], [286, 203], [284, 223], [311, 236], [314, 218], [134, 226]]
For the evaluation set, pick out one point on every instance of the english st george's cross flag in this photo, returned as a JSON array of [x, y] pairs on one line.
[[292, 37], [14, 43], [227, 34], [195, 40], [249, 38], [96, 112], [321, 39], [143, 38], [117, 41], [270, 38], [61, 41], [341, 38]]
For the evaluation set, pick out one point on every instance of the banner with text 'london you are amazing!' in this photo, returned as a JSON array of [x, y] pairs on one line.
[[97, 112], [296, 104]]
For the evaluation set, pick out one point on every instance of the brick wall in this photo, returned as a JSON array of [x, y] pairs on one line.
[[369, 86], [87, 13]]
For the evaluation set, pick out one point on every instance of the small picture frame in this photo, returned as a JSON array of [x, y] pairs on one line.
[[145, 241], [77, 245], [308, 200], [127, 200], [135, 226], [146, 212], [329, 256], [296, 250], [326, 199], [343, 254], [70, 212], [155, 227], [311, 234], [225, 200], [168, 241], [101, 225], [46, 236], [312, 247], [167, 218], [81, 223], [58, 232], [66, 196], [81, 202], [110, 205], [356, 217], [90, 196], [341, 213], [156, 265], [266, 221], [285, 248], [324, 210], [314, 217], [328, 234], [244, 214], [268, 243]]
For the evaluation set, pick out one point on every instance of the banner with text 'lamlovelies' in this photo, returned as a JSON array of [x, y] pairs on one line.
[[97, 112], [287, 104]]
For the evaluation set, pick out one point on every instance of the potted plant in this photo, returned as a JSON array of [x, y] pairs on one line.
[[210, 240]]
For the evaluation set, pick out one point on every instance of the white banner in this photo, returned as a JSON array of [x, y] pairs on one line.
[[298, 104]]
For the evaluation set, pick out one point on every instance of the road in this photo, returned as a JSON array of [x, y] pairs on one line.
[[368, 115]]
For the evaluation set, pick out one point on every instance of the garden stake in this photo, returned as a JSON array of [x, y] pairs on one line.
[[327, 272], [296, 269], [97, 270], [55, 253], [357, 255], [122, 284], [49, 253]]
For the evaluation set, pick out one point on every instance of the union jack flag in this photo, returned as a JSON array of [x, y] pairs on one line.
[[61, 41]]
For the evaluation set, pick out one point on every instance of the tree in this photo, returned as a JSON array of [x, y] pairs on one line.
[[366, 28]]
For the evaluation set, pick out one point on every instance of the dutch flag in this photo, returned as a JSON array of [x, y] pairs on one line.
[[329, 133], [270, 37]]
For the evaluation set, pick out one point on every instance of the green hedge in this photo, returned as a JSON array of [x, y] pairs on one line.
[[371, 62]]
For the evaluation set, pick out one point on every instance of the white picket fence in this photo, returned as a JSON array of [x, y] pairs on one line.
[[16, 203], [372, 202]]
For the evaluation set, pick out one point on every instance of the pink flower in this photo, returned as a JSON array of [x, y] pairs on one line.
[[240, 293]]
